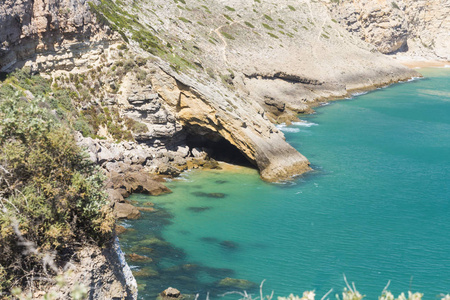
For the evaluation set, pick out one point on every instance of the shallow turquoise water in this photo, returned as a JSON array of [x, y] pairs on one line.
[[376, 207]]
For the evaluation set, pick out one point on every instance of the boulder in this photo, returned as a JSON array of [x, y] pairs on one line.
[[114, 195], [126, 211], [146, 272], [171, 293], [168, 169], [120, 229], [139, 182], [105, 155]]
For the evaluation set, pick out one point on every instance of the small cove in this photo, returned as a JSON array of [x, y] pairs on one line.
[[375, 207]]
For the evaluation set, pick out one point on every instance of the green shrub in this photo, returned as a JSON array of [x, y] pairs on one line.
[[184, 20], [227, 35], [249, 24], [268, 17], [267, 26], [135, 126], [122, 47], [50, 192], [273, 35], [228, 17]]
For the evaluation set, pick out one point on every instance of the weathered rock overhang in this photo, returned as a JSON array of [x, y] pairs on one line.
[[204, 111]]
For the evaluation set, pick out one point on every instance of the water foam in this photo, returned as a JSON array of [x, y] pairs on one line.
[[304, 124], [289, 129], [358, 94], [414, 78]]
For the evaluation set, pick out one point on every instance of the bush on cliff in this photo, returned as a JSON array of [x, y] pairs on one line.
[[51, 198]]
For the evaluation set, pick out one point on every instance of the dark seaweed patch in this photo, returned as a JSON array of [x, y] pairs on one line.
[[198, 209], [209, 195], [209, 239], [153, 276], [218, 273], [229, 245], [221, 181]]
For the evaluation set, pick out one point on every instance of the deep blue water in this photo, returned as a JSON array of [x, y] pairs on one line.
[[375, 208]]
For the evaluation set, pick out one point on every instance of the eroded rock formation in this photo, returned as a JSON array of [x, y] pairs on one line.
[[415, 28], [208, 75], [53, 34]]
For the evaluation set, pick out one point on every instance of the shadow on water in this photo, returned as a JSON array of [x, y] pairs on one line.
[[158, 264]]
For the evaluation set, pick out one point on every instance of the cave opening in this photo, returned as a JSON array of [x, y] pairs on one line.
[[218, 148]]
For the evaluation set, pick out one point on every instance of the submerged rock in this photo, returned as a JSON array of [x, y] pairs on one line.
[[147, 209], [229, 244], [199, 209], [209, 195], [241, 284], [146, 272], [186, 269], [209, 239], [120, 229], [139, 258], [154, 241], [221, 181], [138, 248]]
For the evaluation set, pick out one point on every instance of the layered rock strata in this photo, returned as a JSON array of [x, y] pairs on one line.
[[58, 31], [211, 74], [419, 29], [250, 63]]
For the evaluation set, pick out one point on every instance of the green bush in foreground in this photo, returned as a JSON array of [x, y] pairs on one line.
[[51, 197]]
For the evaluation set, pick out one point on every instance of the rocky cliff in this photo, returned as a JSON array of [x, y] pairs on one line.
[[32, 30], [419, 29], [227, 69], [160, 87]]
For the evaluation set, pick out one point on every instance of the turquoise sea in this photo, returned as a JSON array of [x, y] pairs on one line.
[[375, 208]]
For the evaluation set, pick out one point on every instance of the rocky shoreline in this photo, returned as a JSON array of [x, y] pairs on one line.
[[160, 95]]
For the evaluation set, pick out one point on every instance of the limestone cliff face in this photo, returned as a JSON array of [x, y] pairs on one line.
[[60, 29], [104, 272], [207, 110], [416, 28], [225, 71], [219, 71], [284, 55]]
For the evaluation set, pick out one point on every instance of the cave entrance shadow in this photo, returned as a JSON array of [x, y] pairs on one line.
[[219, 149]]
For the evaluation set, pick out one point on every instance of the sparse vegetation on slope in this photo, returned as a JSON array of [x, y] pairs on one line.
[[51, 196]]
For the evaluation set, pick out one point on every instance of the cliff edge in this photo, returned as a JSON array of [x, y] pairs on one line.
[[222, 71]]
